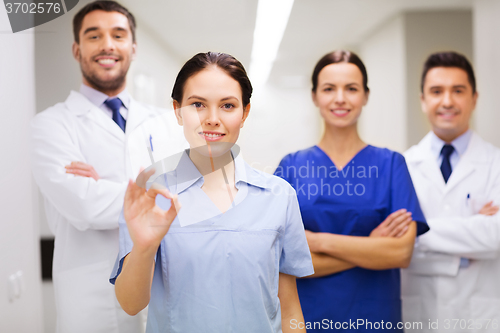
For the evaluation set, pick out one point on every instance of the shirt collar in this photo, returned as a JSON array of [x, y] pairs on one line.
[[188, 175], [460, 144], [98, 98]]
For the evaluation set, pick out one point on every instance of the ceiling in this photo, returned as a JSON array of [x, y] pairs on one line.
[[315, 27]]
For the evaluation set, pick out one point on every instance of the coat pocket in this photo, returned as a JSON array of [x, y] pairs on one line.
[[485, 314], [412, 312], [85, 299]]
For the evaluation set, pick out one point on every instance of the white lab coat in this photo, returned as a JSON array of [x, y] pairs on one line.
[[83, 213], [435, 287]]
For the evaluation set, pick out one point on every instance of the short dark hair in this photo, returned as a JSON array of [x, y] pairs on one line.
[[226, 62], [339, 56], [107, 6], [448, 59]]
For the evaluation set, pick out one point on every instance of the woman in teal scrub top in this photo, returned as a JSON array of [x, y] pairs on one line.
[[359, 209]]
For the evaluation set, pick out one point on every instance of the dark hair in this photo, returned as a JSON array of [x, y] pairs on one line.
[[448, 59], [226, 62], [107, 6], [339, 56]]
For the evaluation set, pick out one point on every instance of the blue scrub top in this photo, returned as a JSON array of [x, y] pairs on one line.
[[352, 201], [219, 272]]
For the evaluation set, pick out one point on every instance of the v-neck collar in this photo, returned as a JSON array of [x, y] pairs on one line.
[[352, 159]]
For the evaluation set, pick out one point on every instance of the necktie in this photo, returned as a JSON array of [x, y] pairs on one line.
[[446, 165], [114, 104]]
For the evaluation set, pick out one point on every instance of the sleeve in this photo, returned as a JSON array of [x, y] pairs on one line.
[[295, 255], [473, 237], [84, 202], [433, 263], [403, 193], [126, 245]]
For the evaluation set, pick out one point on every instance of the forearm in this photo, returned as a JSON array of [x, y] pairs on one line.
[[477, 236], [133, 285], [292, 319], [433, 263], [371, 252], [326, 265], [84, 202]]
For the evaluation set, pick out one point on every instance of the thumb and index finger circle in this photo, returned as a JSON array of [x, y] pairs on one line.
[[159, 189]]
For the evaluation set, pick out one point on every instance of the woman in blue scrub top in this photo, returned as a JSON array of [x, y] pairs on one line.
[[359, 209], [227, 260]]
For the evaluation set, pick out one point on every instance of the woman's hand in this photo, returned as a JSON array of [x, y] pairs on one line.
[[395, 225], [147, 223]]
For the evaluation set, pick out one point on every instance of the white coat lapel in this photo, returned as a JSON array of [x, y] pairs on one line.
[[82, 107], [137, 114], [468, 163], [428, 167], [426, 163]]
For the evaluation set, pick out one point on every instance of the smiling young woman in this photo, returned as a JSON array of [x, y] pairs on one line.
[[358, 204], [227, 261]]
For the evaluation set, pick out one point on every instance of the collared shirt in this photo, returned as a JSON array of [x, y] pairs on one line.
[[219, 272], [98, 98], [460, 144]]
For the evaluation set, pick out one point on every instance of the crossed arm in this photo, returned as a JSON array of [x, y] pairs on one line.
[[84, 202], [473, 237], [390, 245]]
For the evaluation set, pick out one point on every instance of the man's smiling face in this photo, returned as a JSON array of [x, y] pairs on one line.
[[105, 50], [448, 101]]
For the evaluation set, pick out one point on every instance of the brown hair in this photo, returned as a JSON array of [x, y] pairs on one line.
[[107, 6], [336, 57], [448, 59], [226, 62]]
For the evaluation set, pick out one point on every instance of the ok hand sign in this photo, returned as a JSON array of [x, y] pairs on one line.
[[147, 223]]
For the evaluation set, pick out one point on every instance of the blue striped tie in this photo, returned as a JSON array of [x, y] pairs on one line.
[[446, 151], [115, 104]]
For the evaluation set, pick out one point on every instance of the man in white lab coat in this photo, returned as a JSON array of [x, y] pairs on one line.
[[453, 282], [81, 164]]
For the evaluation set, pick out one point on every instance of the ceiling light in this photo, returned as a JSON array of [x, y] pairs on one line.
[[270, 25]]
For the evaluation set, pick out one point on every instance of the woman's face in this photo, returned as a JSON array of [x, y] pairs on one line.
[[340, 95], [211, 111]]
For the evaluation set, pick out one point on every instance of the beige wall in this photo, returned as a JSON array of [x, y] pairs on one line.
[[383, 122], [394, 55], [487, 66], [426, 33], [282, 120], [19, 244]]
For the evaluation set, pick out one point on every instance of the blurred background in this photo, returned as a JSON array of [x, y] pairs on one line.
[[279, 44]]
